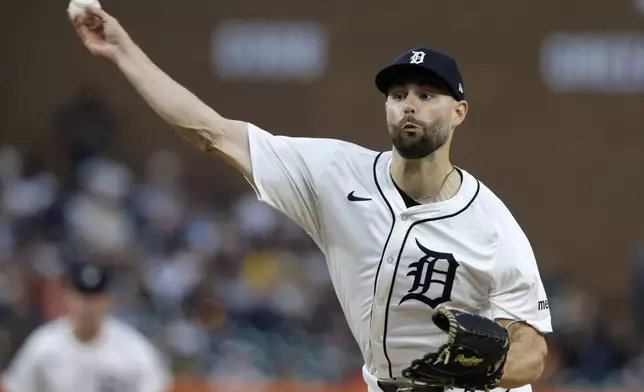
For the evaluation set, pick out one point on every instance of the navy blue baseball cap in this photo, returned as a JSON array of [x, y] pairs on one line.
[[426, 66], [89, 278]]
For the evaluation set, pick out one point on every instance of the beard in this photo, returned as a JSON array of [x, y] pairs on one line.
[[433, 136]]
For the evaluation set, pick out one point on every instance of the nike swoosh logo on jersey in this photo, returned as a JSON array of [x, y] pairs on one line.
[[352, 197]]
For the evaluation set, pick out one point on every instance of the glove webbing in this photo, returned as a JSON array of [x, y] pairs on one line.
[[451, 335]]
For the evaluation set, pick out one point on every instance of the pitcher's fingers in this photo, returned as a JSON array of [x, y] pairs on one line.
[[98, 12], [79, 21], [84, 33], [75, 20]]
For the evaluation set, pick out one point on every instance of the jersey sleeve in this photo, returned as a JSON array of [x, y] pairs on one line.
[[517, 292], [287, 172], [24, 372]]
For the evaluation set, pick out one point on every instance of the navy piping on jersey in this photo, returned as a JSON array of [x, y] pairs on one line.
[[402, 246], [384, 248]]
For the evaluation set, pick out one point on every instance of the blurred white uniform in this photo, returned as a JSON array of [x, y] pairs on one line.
[[119, 360], [390, 264]]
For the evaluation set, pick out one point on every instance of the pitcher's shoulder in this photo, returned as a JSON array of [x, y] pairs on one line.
[[353, 159], [494, 209], [354, 153]]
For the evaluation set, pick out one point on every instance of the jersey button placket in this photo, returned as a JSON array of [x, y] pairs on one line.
[[385, 280]]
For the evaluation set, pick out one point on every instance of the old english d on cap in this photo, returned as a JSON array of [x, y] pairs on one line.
[[425, 65]]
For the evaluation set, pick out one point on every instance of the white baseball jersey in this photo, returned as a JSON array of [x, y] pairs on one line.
[[120, 360], [391, 265]]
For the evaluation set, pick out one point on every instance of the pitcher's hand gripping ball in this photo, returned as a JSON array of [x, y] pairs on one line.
[[473, 358], [78, 8]]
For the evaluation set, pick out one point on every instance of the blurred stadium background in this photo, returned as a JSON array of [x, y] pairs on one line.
[[231, 291]]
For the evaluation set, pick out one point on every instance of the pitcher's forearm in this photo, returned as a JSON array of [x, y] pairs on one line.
[[524, 365], [181, 109], [526, 357]]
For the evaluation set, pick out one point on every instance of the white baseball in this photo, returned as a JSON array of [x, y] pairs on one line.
[[77, 7]]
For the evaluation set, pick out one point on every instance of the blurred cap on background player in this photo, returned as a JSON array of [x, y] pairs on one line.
[[423, 65], [88, 278], [89, 299]]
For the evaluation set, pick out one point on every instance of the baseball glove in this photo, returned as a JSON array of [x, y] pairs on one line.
[[473, 358]]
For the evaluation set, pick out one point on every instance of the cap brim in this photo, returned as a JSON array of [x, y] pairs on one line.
[[84, 290], [398, 73]]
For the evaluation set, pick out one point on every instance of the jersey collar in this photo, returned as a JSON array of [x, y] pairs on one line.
[[463, 198]]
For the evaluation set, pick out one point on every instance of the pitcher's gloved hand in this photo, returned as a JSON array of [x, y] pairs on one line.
[[473, 358]]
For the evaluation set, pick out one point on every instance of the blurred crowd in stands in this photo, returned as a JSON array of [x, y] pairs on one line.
[[226, 291]]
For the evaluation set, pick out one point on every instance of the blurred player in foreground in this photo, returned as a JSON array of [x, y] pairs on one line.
[[87, 350], [405, 232]]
